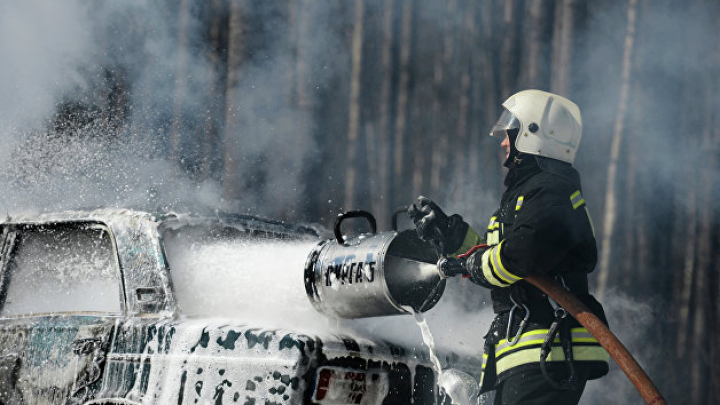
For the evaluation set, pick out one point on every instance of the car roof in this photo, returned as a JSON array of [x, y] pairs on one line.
[[169, 220]]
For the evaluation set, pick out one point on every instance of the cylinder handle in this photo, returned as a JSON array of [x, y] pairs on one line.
[[352, 214], [394, 219]]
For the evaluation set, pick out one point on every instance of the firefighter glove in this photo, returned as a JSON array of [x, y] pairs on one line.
[[434, 226]]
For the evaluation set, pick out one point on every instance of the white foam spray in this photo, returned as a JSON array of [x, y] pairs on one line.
[[261, 281], [256, 281]]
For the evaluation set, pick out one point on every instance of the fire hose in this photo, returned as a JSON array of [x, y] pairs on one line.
[[607, 339], [596, 327]]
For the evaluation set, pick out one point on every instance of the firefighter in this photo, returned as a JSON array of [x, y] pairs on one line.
[[535, 352]]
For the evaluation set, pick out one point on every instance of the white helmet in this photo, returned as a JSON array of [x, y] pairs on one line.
[[548, 125]]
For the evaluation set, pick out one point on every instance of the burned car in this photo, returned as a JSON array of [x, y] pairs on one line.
[[108, 307]]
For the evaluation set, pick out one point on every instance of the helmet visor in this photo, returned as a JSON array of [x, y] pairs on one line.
[[506, 122]]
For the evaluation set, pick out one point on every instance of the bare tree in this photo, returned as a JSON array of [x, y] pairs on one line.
[[381, 206], [610, 196], [509, 51], [636, 231], [685, 283], [232, 126], [492, 87], [300, 83], [441, 87], [354, 119], [562, 46], [210, 125], [639, 249], [706, 223], [180, 80], [423, 106], [532, 57], [478, 68], [402, 100], [713, 279], [467, 34]]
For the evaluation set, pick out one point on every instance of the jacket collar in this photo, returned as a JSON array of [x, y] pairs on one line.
[[524, 167]]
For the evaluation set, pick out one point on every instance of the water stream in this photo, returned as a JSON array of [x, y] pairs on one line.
[[460, 387]]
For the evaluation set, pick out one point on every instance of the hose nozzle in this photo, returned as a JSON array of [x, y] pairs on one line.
[[451, 267]]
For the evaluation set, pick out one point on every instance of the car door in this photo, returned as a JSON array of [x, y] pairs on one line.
[[61, 299]]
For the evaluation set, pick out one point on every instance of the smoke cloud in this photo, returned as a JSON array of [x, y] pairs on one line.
[[42, 51], [634, 322], [136, 84], [55, 57]]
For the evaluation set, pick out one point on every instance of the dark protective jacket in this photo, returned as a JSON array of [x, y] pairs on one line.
[[542, 227]]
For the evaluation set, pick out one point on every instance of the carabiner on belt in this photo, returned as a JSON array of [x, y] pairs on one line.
[[523, 323], [558, 311], [559, 325]]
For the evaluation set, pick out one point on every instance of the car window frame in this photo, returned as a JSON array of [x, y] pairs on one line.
[[9, 236]]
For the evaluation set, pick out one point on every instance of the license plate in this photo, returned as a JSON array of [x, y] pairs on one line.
[[340, 386]]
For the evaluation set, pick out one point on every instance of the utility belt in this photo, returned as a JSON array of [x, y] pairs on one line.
[[524, 302]]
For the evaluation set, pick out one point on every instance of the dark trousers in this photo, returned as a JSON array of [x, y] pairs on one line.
[[531, 388]]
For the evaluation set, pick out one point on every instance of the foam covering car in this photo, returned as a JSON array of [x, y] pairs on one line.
[[91, 313]]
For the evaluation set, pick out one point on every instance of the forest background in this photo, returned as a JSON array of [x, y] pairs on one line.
[[298, 110]]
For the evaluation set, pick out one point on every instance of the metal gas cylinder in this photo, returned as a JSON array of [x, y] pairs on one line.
[[372, 274]]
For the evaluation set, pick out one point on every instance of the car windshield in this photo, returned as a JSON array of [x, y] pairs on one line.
[[226, 272]]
